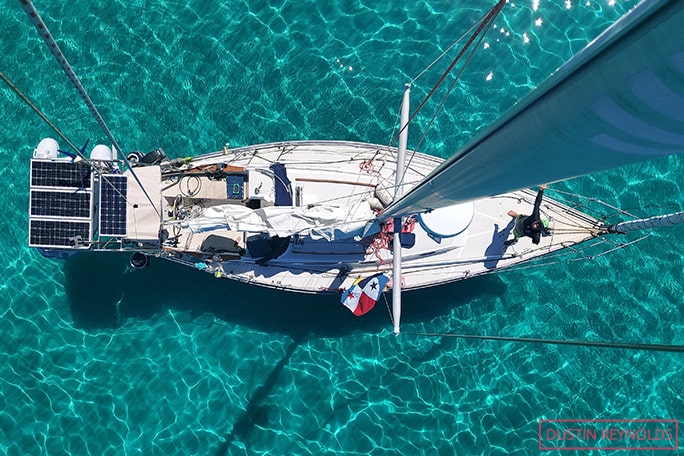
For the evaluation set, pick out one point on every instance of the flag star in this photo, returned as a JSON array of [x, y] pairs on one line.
[[350, 295], [374, 285]]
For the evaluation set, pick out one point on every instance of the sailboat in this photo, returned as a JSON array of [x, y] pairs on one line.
[[352, 218]]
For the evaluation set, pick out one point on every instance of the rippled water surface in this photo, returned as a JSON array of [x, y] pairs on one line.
[[95, 359]]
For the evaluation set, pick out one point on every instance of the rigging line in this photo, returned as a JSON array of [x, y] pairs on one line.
[[43, 31], [552, 260], [593, 200], [458, 40], [489, 17], [39, 112], [359, 175], [451, 87], [444, 98], [394, 134], [510, 256], [576, 229], [389, 310], [614, 249], [577, 343], [359, 193], [35, 108]]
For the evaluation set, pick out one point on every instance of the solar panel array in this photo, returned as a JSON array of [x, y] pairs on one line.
[[113, 194], [61, 204]]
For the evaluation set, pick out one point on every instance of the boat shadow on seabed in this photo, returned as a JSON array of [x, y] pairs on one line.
[[103, 291]]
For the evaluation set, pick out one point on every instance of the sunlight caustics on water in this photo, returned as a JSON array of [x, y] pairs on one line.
[[98, 359]]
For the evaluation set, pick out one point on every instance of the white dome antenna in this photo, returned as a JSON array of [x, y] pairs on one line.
[[47, 148]]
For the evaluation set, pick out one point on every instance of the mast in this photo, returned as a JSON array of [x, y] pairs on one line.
[[658, 221], [398, 192]]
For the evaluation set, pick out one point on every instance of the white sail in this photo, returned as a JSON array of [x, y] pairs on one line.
[[619, 101], [322, 221]]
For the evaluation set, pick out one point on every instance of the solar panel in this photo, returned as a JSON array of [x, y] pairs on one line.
[[60, 204], [59, 233], [113, 194], [60, 174]]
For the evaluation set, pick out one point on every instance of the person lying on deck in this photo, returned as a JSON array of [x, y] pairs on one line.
[[529, 225]]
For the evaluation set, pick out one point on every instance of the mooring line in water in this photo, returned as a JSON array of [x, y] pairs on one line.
[[577, 343]]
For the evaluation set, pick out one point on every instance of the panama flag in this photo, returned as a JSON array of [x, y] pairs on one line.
[[363, 294]]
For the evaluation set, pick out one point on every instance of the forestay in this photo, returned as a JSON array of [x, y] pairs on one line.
[[619, 101]]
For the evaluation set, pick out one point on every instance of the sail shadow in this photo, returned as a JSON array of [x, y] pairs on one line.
[[496, 249], [256, 412], [103, 292]]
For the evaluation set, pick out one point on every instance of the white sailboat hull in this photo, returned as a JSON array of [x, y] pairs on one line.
[[300, 216], [454, 244]]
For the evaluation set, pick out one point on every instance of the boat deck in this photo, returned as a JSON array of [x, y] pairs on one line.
[[344, 172]]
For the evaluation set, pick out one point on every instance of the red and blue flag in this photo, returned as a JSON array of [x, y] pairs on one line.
[[364, 293]]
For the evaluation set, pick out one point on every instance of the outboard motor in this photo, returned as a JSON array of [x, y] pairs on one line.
[[139, 260]]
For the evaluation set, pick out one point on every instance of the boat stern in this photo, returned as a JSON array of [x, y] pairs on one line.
[[78, 205]]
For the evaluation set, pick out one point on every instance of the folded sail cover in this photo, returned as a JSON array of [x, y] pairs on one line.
[[618, 101], [361, 297], [323, 221]]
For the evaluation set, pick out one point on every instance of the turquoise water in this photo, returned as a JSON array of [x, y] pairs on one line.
[[96, 359]]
